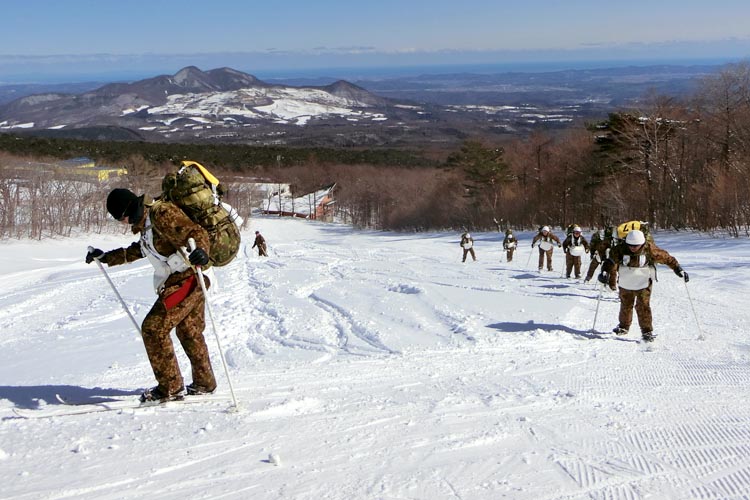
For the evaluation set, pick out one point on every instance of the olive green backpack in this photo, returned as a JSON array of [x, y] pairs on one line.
[[196, 191]]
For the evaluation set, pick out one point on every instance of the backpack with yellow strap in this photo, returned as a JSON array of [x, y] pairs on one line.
[[624, 228], [196, 191]]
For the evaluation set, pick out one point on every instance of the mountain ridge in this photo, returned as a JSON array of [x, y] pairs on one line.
[[440, 110], [223, 96]]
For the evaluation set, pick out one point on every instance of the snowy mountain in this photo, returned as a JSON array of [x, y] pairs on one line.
[[192, 99], [225, 105], [376, 365]]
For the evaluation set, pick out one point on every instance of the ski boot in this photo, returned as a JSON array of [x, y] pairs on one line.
[[155, 395]]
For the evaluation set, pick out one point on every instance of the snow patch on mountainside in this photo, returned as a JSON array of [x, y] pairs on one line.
[[286, 105]]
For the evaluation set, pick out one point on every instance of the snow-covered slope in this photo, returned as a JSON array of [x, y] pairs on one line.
[[378, 366]]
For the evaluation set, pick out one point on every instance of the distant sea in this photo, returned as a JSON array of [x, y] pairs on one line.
[[385, 72], [354, 73]]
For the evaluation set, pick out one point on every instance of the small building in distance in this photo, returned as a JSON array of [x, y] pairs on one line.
[[87, 167], [317, 205]]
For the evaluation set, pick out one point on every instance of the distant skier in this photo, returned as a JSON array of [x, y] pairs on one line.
[[574, 246], [632, 265], [164, 229], [547, 242], [467, 243], [509, 244], [260, 242]]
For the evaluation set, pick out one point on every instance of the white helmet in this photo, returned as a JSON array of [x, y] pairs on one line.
[[635, 237], [576, 229], [468, 235], [545, 228]]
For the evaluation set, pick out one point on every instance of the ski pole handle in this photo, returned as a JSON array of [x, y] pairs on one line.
[[191, 247], [91, 249]]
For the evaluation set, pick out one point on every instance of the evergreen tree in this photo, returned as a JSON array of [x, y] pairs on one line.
[[485, 172]]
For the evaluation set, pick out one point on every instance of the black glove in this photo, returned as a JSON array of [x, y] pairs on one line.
[[93, 254], [559, 245], [682, 274], [603, 277], [607, 265], [198, 257], [533, 245]]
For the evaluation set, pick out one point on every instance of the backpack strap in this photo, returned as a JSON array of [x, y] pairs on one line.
[[203, 170]]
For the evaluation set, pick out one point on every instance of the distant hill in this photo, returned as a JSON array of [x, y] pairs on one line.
[[224, 101], [229, 106]]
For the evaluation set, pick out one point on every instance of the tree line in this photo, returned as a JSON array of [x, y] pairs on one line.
[[676, 163]]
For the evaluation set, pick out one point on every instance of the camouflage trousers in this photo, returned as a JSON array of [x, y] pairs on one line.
[[548, 253], [641, 299], [471, 251], [188, 318], [571, 262], [509, 254], [592, 268]]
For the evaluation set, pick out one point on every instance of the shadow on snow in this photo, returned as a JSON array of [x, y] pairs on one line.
[[531, 326], [30, 396]]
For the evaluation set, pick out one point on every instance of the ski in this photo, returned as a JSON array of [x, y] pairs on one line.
[[111, 399], [642, 344], [590, 335], [114, 404]]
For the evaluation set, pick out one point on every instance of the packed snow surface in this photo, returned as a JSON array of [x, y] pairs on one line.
[[375, 365]]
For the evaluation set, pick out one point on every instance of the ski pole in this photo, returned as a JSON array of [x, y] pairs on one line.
[[199, 272], [564, 265], [598, 301], [528, 261], [695, 315], [114, 289]]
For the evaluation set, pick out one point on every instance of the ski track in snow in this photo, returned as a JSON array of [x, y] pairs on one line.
[[377, 366]]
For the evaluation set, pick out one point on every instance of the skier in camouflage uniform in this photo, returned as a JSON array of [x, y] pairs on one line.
[[260, 242], [632, 265], [601, 242], [574, 246], [510, 242], [164, 230], [467, 244], [546, 246]]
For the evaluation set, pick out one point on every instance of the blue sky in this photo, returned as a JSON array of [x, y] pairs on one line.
[[86, 35]]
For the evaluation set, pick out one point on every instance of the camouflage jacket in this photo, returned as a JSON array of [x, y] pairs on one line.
[[599, 246], [168, 228], [549, 238], [260, 241], [647, 257], [510, 241], [571, 240]]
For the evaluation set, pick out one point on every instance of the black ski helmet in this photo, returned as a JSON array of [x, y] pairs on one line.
[[123, 202]]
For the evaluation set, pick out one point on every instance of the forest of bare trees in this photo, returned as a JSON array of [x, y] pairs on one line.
[[674, 163]]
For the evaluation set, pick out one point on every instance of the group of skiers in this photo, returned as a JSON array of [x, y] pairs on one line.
[[627, 254], [178, 248]]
